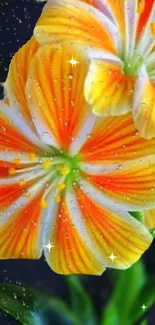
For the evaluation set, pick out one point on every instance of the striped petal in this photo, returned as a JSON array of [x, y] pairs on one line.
[[55, 94], [75, 21], [115, 140], [15, 134], [17, 76], [118, 238], [145, 7], [84, 244], [147, 37], [130, 187], [102, 6], [21, 224], [107, 89], [70, 253], [149, 219], [143, 106], [21, 187]]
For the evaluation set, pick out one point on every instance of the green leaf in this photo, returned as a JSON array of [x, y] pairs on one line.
[[152, 231], [128, 285], [139, 215], [31, 307], [144, 322], [81, 304], [146, 297], [110, 315]]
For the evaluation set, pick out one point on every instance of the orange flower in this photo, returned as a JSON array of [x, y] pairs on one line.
[[75, 176], [119, 36]]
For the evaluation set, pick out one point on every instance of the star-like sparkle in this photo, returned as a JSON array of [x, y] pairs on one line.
[[49, 246], [73, 61], [112, 257], [143, 307]]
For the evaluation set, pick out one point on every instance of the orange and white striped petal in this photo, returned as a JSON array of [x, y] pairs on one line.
[[21, 233], [118, 238], [15, 135], [145, 7], [107, 89], [21, 224], [17, 77], [146, 39], [85, 237], [76, 21], [57, 102], [144, 105], [70, 252], [129, 186], [149, 219], [115, 140]]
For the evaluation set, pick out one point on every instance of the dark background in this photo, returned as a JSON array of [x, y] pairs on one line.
[[17, 20]]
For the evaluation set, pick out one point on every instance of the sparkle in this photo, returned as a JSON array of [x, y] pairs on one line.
[[61, 186], [65, 171], [73, 61], [47, 163], [143, 307], [112, 257], [49, 246]]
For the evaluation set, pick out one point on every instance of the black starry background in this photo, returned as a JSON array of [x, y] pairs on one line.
[[17, 20]]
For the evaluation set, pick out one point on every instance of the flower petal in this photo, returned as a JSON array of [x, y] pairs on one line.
[[17, 76], [147, 6], [21, 229], [70, 253], [118, 238], [149, 219], [146, 41], [15, 135], [75, 21], [144, 105], [56, 89], [107, 89], [131, 187], [20, 235], [115, 140], [131, 15], [103, 6]]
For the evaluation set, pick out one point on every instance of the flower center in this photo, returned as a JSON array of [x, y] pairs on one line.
[[131, 68], [61, 169]]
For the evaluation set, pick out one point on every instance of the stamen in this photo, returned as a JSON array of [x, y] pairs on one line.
[[44, 204], [12, 171], [17, 160], [22, 182], [47, 164], [32, 156], [141, 6], [57, 198], [65, 171], [27, 194], [152, 27], [61, 186]]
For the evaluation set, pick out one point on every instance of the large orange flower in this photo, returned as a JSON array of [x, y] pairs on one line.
[[68, 178], [120, 38]]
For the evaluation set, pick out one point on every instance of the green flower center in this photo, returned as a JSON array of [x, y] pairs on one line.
[[131, 67], [63, 168]]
